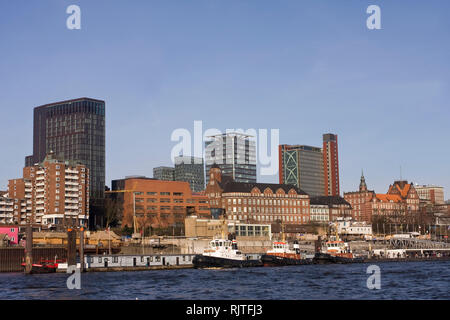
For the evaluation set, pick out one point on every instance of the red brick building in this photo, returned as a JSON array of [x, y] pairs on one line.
[[400, 203], [257, 202], [331, 164], [52, 193], [157, 203]]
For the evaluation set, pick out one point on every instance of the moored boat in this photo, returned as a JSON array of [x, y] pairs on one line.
[[223, 253], [335, 251], [282, 255], [44, 266]]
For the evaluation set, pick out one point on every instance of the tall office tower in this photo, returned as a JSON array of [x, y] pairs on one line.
[[302, 166], [74, 130], [190, 169], [331, 164], [164, 173], [234, 153]]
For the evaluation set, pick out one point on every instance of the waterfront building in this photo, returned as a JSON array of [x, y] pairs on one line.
[[74, 130], [6, 210], [319, 212], [329, 208], [360, 201], [430, 194], [164, 173], [331, 164], [196, 227], [11, 231], [302, 166], [53, 193], [256, 202], [234, 153], [354, 228], [399, 204], [156, 203], [190, 169]]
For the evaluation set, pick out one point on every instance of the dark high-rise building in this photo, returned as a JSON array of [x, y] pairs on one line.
[[235, 154], [331, 164], [302, 166], [74, 130]]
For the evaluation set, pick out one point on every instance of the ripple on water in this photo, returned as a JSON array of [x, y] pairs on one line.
[[413, 280]]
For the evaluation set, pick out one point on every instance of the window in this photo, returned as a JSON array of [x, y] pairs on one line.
[[165, 193]]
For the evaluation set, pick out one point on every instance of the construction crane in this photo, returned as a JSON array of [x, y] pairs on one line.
[[134, 204]]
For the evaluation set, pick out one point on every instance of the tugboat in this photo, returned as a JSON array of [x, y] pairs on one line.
[[223, 253], [282, 255], [335, 251]]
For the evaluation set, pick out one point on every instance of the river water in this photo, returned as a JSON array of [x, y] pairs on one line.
[[399, 280]]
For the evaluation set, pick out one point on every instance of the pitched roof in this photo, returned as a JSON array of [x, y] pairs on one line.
[[232, 186], [402, 187], [328, 200], [388, 197]]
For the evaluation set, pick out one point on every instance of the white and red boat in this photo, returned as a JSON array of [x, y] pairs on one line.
[[282, 255], [223, 253], [335, 251]]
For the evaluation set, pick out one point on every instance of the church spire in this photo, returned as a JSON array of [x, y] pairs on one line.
[[362, 184]]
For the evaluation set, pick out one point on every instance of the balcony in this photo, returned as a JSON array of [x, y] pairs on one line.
[[40, 202], [71, 195], [40, 172], [72, 189], [70, 201], [71, 213], [71, 183], [71, 207], [71, 171], [39, 178], [40, 184], [71, 177]]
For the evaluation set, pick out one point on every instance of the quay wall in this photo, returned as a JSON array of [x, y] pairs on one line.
[[11, 258]]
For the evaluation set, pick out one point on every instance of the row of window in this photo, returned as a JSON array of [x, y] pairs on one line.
[[270, 218], [268, 210], [151, 193], [268, 202]]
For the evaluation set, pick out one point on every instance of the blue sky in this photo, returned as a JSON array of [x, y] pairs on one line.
[[304, 67]]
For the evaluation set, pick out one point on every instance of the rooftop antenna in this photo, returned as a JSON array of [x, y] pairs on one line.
[[400, 173]]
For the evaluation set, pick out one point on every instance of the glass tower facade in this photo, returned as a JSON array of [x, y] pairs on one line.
[[235, 154], [190, 169]]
